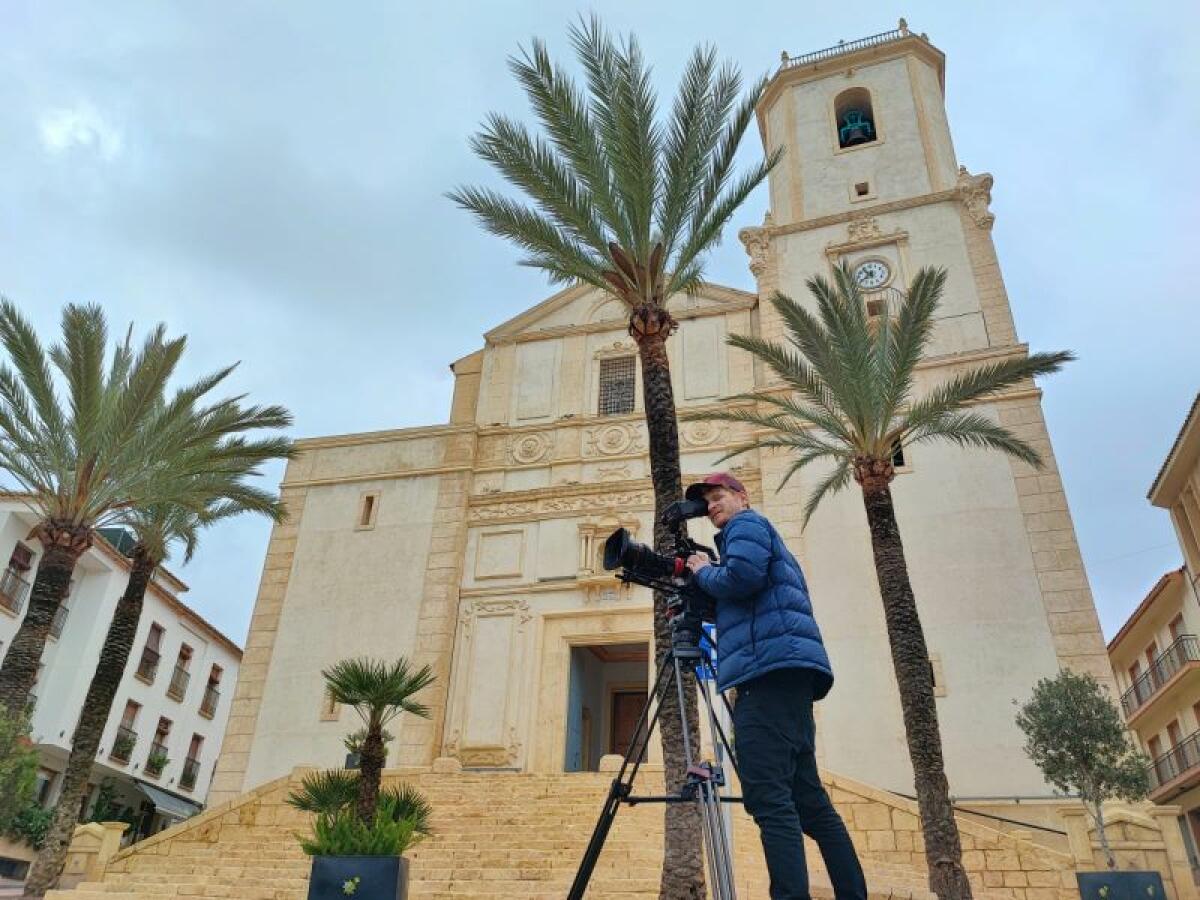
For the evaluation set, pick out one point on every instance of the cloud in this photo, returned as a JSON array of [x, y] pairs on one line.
[[65, 129]]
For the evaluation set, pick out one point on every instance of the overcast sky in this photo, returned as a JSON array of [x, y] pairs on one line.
[[268, 179]]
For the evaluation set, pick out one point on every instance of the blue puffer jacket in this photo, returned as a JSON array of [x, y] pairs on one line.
[[764, 617]]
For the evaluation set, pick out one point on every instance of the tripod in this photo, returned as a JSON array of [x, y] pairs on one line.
[[704, 780]]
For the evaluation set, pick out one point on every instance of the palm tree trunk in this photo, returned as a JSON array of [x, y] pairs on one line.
[[910, 658], [683, 871], [63, 544], [110, 668], [370, 759]]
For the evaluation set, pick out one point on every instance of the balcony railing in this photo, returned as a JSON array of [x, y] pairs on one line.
[[1185, 649], [179, 683], [13, 590], [1181, 758], [148, 664], [59, 621], [208, 705], [123, 744], [157, 759], [874, 40], [191, 771]]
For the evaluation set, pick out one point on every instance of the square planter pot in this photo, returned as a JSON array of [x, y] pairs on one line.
[[359, 878], [1114, 885]]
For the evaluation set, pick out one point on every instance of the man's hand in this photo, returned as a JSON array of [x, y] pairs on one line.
[[697, 561]]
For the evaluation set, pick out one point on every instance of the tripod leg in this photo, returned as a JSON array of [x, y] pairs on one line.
[[621, 786], [708, 799], [718, 731], [722, 844]]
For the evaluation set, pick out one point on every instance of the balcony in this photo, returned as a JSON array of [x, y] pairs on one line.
[[123, 745], [1168, 669], [13, 591], [156, 760], [58, 622], [148, 665], [179, 683], [191, 772], [1176, 770], [208, 705]]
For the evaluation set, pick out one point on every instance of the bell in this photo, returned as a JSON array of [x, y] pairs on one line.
[[856, 129]]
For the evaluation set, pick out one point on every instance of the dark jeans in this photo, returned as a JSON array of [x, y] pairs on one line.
[[775, 746]]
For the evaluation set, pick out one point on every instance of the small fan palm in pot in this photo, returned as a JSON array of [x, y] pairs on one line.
[[361, 833]]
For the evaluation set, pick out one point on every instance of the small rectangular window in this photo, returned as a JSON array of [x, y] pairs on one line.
[[329, 707], [618, 379], [368, 510], [898, 455], [862, 188], [129, 719]]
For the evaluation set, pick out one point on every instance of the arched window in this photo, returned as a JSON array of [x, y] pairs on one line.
[[855, 117]]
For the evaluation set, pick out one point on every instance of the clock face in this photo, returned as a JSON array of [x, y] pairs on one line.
[[872, 274]]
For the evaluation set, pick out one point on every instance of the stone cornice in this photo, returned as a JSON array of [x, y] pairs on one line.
[[374, 476], [734, 304], [380, 437], [864, 211]]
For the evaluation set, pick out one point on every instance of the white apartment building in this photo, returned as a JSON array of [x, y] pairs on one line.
[[168, 717]]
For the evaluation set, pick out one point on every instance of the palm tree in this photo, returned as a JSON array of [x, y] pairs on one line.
[[379, 692], [82, 464], [155, 529], [851, 404], [631, 206]]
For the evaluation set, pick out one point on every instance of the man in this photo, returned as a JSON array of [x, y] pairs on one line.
[[770, 649]]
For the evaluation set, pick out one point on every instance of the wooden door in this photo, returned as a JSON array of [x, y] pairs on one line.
[[626, 708]]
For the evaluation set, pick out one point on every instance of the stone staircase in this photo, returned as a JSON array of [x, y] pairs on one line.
[[522, 836]]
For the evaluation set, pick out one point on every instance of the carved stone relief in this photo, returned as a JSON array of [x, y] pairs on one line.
[[525, 449], [863, 229], [975, 191], [757, 242], [702, 434], [614, 440]]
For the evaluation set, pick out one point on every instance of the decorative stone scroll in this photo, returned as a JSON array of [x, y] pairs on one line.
[[757, 241], [975, 191]]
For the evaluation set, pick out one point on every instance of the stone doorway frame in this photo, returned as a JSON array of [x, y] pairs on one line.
[[559, 632]]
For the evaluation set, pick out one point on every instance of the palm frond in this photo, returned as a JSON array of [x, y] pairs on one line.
[[974, 430], [405, 802], [835, 481], [532, 164], [613, 191], [562, 257], [980, 383], [562, 109], [325, 792], [851, 379], [378, 690]]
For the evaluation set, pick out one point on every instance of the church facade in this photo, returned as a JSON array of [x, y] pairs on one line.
[[474, 545]]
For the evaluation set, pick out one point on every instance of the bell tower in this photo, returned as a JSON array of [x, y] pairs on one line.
[[869, 178]]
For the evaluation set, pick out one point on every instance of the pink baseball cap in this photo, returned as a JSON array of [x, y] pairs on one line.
[[716, 479]]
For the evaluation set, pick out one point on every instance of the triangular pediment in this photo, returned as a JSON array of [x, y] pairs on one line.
[[583, 306]]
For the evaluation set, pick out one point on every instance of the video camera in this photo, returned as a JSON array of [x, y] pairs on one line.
[[687, 607]]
